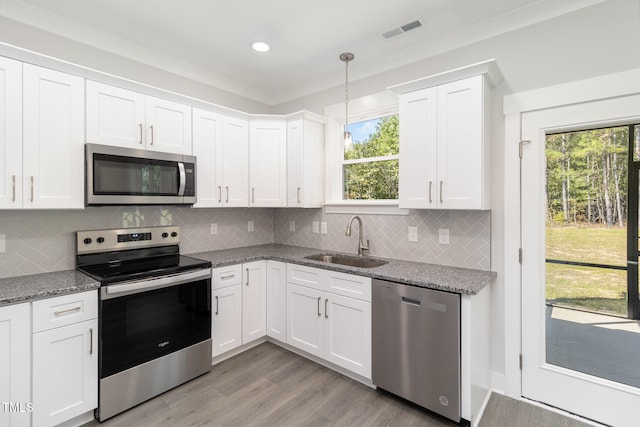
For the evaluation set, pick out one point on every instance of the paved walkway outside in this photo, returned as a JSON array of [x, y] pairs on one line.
[[600, 345]]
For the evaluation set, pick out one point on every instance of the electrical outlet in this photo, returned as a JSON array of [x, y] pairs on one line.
[[315, 227], [250, 226], [292, 226], [214, 228], [323, 227], [3, 243], [443, 236], [413, 234]]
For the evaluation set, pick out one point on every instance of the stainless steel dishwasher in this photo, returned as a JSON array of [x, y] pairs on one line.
[[416, 345]]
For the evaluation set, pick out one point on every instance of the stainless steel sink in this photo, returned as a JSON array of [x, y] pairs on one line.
[[352, 261]]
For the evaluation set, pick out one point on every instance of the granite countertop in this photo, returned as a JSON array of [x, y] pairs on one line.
[[451, 279], [14, 290]]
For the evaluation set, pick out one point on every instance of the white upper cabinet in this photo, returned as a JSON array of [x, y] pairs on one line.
[[305, 163], [444, 139], [268, 163], [443, 146], [10, 133], [53, 139], [222, 146], [125, 118]]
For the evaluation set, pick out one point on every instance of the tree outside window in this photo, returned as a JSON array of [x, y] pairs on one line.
[[370, 163]]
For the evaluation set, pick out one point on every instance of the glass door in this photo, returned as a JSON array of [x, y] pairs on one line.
[[580, 343]]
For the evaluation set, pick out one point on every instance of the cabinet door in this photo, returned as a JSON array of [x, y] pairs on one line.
[[305, 321], [65, 372], [226, 321], [268, 164], [15, 365], [53, 140], [305, 164], [233, 163], [348, 333], [277, 300], [168, 126], [207, 135], [461, 144], [418, 144], [254, 301], [10, 133], [115, 116], [295, 163]]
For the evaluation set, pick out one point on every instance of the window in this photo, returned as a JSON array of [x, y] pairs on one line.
[[370, 162]]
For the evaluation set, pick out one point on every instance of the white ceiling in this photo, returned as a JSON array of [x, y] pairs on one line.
[[209, 40]]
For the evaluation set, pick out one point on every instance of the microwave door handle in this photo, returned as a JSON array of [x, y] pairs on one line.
[[183, 179]]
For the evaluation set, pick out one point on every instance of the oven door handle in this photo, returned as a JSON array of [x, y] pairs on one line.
[[137, 286]]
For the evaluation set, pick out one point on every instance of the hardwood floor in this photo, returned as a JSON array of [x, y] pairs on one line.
[[270, 386]]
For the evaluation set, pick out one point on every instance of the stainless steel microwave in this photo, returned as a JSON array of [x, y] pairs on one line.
[[125, 176]]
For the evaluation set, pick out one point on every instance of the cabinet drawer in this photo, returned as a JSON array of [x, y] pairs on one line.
[[305, 276], [348, 285], [226, 276], [64, 310]]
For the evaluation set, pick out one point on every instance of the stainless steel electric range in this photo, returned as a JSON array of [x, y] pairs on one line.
[[154, 313]]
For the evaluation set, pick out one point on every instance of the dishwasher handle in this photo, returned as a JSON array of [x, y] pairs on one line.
[[411, 301]]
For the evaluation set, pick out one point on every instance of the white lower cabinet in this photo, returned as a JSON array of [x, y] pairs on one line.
[[226, 323], [277, 300], [226, 319], [15, 365], [65, 358], [254, 300], [326, 324]]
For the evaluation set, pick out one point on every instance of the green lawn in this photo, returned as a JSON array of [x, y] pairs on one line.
[[595, 289]]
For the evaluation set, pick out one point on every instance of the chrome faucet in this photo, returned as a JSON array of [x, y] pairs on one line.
[[361, 245]]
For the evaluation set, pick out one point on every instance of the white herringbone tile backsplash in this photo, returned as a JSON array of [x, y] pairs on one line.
[[44, 241], [470, 235]]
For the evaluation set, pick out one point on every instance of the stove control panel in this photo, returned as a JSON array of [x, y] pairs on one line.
[[92, 241]]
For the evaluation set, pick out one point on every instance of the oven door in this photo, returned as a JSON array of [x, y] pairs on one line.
[[144, 320]]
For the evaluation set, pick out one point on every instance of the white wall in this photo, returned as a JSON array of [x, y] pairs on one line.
[[30, 38]]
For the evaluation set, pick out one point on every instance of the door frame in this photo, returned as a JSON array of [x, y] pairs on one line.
[[622, 84]]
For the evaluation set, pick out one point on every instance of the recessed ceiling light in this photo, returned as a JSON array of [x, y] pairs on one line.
[[261, 46]]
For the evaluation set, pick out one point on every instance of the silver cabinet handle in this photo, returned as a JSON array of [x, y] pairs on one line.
[[151, 134], [326, 313], [298, 194], [430, 184], [227, 194], [217, 305], [253, 195], [220, 194], [32, 179], [90, 340], [228, 276], [140, 132], [441, 191], [319, 299], [247, 276], [13, 184], [70, 310]]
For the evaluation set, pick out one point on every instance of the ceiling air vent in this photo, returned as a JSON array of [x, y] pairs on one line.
[[402, 29]]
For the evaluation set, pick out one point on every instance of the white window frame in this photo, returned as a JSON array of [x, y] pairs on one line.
[[379, 104]]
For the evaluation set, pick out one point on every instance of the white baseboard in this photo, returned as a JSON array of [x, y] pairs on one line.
[[497, 382]]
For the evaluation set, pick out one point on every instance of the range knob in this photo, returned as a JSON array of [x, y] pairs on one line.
[[174, 234], [87, 241], [165, 235], [100, 239]]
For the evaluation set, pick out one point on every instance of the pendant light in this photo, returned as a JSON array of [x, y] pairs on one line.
[[346, 57]]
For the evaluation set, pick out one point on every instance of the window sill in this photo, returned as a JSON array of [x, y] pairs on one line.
[[364, 207]]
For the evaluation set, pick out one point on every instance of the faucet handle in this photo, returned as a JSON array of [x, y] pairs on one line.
[[365, 246]]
